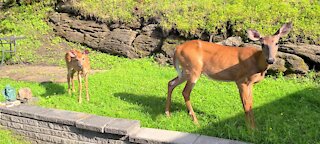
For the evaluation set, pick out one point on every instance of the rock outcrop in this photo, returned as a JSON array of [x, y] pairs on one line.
[[148, 39]]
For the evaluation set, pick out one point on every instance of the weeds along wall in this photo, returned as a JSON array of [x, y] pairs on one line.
[[42, 125]]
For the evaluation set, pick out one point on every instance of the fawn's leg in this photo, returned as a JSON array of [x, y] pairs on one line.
[[72, 80], [87, 87], [80, 87]]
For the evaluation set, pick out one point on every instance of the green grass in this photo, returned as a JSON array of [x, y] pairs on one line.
[[196, 16], [286, 109], [6, 137]]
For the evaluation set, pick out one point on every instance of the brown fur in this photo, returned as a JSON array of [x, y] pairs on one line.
[[78, 62], [245, 66]]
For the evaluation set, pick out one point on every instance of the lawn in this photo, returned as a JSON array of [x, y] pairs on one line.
[[286, 109], [6, 137]]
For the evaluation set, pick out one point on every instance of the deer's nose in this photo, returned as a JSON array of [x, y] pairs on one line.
[[270, 61], [80, 66]]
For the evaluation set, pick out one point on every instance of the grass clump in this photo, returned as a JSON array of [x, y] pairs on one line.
[[111, 10], [6, 137]]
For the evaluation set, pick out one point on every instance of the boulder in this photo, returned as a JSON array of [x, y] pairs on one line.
[[24, 94], [310, 53], [232, 41], [168, 47], [98, 36], [84, 32], [123, 36], [289, 64], [119, 42], [162, 59], [145, 45], [152, 30]]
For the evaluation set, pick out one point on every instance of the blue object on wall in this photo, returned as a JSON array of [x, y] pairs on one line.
[[9, 93]]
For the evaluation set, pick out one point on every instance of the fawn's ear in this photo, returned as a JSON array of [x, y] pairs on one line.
[[253, 35], [285, 29], [71, 54], [86, 52]]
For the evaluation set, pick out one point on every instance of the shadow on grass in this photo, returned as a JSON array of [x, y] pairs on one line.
[[292, 119], [153, 105], [52, 89]]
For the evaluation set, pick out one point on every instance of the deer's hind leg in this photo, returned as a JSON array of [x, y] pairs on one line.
[[171, 85], [192, 79]]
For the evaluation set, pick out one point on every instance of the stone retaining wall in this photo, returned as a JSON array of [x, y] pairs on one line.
[[43, 125]]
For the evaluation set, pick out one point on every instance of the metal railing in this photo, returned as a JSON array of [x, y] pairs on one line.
[[12, 42]]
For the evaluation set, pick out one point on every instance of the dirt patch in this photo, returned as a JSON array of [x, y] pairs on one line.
[[36, 73]]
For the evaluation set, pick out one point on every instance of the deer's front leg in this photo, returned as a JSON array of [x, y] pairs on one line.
[[245, 91], [80, 87]]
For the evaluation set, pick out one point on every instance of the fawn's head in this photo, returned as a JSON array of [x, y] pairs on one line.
[[269, 44], [78, 58]]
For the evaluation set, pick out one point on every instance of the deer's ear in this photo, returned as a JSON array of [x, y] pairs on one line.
[[86, 52], [253, 35], [285, 29]]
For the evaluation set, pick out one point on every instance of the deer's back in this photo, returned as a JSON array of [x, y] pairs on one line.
[[217, 61]]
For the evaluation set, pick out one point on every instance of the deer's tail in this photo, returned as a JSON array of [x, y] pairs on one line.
[[176, 65]]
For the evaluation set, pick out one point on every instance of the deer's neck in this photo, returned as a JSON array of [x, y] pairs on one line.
[[261, 62]]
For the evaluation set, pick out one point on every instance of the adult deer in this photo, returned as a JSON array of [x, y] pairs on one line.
[[78, 62], [245, 66]]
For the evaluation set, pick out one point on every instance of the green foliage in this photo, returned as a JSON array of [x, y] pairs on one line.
[[195, 16], [11, 3], [113, 10], [286, 109], [28, 21], [6, 137]]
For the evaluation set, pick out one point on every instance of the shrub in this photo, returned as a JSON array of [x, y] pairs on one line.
[[197, 16]]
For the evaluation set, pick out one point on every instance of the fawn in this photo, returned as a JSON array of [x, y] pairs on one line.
[[78, 62]]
